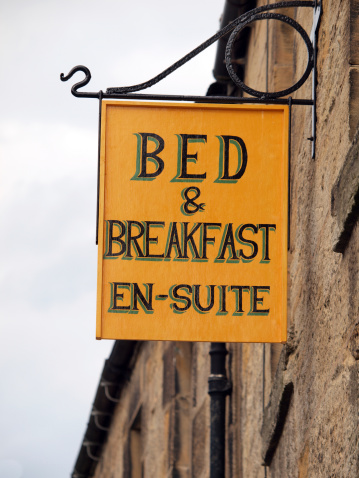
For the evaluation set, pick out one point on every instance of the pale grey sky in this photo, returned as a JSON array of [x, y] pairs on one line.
[[49, 358]]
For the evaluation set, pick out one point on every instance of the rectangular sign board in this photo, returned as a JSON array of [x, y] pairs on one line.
[[193, 210]]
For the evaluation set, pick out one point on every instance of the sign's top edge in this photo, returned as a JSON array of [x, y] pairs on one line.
[[213, 106]]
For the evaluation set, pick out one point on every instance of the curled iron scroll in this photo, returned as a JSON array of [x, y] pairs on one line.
[[235, 27], [229, 54], [80, 84]]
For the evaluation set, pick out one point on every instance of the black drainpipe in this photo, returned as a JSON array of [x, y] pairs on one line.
[[218, 384], [218, 387]]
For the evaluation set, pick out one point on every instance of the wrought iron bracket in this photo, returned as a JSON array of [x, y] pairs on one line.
[[234, 28]]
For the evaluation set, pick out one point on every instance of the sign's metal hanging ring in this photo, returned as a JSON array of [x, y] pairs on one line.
[[230, 47]]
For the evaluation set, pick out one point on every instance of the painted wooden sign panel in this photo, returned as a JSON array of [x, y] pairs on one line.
[[193, 222]]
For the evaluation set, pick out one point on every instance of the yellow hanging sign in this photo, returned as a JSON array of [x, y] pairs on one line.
[[193, 222]]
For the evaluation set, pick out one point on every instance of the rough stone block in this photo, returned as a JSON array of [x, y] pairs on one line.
[[276, 411], [345, 197], [199, 440]]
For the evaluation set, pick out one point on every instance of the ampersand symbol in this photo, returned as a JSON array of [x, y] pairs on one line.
[[190, 207]]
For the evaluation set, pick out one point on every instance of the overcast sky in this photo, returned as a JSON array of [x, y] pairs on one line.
[[50, 361]]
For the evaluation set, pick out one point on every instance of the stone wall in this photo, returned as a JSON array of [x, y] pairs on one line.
[[320, 428]]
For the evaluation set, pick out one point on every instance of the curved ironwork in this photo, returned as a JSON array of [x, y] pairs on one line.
[[229, 54], [235, 27]]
